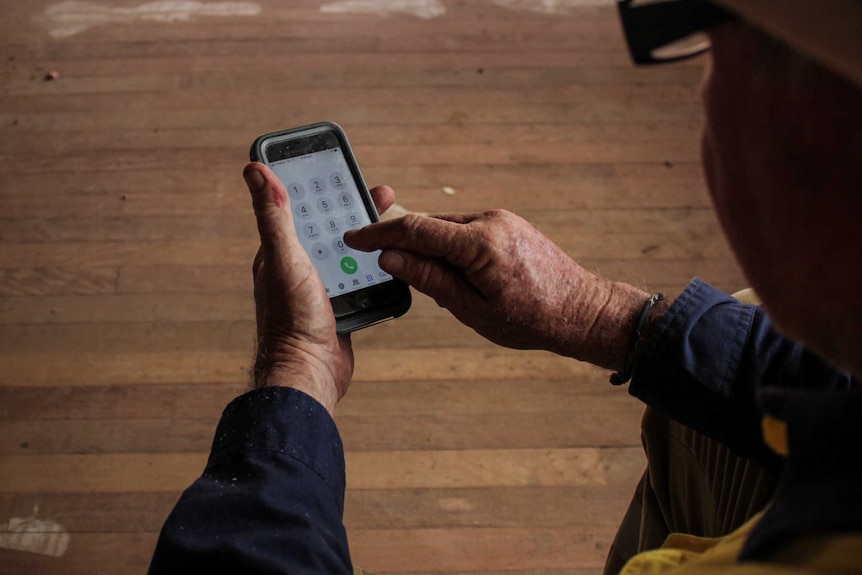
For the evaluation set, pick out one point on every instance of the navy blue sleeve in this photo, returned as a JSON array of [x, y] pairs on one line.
[[706, 361], [271, 498]]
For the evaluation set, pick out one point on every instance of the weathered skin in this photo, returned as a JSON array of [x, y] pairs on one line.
[[499, 275]]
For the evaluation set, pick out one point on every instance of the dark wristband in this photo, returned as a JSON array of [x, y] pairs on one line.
[[625, 374]]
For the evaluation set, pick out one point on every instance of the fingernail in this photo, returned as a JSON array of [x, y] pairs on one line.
[[254, 179], [392, 262]]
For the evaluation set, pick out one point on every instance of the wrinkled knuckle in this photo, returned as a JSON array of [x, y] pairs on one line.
[[485, 236], [411, 225], [411, 221]]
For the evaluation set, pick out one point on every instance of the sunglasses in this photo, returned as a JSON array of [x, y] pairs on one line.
[[660, 31]]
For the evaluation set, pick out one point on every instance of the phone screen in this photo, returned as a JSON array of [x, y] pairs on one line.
[[325, 202]]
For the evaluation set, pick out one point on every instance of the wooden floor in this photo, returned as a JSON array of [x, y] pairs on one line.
[[126, 242]]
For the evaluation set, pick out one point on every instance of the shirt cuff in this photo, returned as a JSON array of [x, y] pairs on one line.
[[701, 338], [691, 366], [285, 421]]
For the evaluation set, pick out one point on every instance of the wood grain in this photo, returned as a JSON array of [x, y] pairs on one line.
[[438, 469]]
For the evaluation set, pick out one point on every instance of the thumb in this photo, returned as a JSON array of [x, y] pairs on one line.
[[268, 197]]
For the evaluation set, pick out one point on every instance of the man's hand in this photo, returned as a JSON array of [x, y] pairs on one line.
[[296, 341], [513, 285]]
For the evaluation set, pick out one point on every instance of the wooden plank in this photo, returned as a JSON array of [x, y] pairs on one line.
[[531, 397], [492, 549], [231, 306], [412, 190], [566, 506], [261, 119], [194, 189], [438, 469], [490, 32], [83, 513], [596, 151], [145, 511], [39, 369], [84, 92], [193, 279], [646, 271], [631, 143], [287, 21], [118, 401], [107, 436], [57, 280], [98, 60], [105, 473], [539, 69], [96, 553], [475, 468], [157, 227], [505, 85], [125, 337], [200, 367], [494, 431], [365, 399], [476, 69], [128, 229], [575, 427], [108, 254], [443, 551], [189, 279], [229, 251]]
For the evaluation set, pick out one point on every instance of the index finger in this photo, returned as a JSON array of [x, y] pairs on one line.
[[424, 235]]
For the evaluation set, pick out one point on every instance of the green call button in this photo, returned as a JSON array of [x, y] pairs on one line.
[[349, 265]]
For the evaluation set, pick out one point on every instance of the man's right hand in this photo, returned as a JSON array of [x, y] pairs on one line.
[[499, 275]]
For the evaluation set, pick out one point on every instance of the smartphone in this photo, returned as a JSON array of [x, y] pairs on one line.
[[328, 197]]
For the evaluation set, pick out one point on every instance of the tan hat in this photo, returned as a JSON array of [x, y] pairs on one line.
[[827, 31]]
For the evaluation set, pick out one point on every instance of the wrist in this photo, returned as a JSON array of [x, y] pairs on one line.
[[644, 326], [605, 319], [616, 323], [297, 372]]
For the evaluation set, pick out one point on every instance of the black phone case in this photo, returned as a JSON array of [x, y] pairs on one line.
[[376, 313]]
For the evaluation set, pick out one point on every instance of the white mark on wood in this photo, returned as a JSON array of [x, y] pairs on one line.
[[419, 8], [455, 504], [41, 536], [552, 6], [73, 17]]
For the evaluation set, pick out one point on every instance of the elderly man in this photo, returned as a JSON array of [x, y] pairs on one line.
[[733, 402]]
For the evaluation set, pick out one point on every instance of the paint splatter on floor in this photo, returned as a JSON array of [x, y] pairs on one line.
[[73, 16], [419, 8], [41, 536], [552, 6]]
